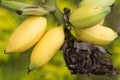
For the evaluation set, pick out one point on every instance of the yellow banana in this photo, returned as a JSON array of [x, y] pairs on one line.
[[88, 16], [47, 47], [98, 35], [72, 31], [96, 2], [101, 22], [27, 34]]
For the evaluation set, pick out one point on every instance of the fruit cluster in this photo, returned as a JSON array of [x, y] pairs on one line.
[[87, 25], [32, 31]]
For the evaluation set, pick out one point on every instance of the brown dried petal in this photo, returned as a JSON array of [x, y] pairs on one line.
[[85, 58]]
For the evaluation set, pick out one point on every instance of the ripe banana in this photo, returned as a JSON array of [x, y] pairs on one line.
[[96, 2], [101, 22], [98, 35], [72, 31], [47, 47], [27, 34], [87, 16]]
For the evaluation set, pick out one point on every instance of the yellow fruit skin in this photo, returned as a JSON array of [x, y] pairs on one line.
[[101, 22], [27, 34], [88, 16], [97, 2], [98, 35], [47, 47], [72, 31]]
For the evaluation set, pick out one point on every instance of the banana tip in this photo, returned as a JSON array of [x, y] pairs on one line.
[[30, 69], [19, 12], [5, 51]]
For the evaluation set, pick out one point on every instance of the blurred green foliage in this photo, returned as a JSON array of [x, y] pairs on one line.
[[14, 66]]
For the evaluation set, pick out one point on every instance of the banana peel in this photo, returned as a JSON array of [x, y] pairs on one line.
[[98, 35], [88, 16]]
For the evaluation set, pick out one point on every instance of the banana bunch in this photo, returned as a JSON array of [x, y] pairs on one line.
[[32, 31], [87, 24], [47, 46], [88, 16], [35, 30], [88, 19], [89, 27], [27, 34]]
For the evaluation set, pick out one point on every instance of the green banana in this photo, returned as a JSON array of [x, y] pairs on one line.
[[32, 10], [27, 34], [98, 35], [88, 16], [96, 2], [14, 4], [24, 9], [46, 48]]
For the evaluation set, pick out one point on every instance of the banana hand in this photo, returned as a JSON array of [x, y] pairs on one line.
[[46, 47], [98, 35], [88, 16], [26, 35]]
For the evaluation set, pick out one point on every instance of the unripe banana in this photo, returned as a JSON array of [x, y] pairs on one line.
[[98, 35], [32, 10], [47, 47], [13, 4], [88, 16], [23, 8], [96, 2], [27, 34]]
